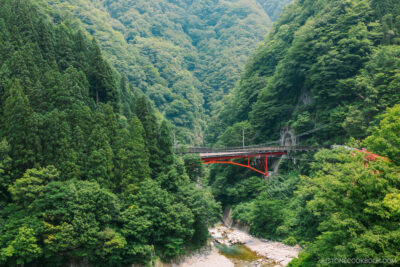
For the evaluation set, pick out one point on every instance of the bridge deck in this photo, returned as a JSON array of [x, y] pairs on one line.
[[246, 151], [239, 154], [226, 155]]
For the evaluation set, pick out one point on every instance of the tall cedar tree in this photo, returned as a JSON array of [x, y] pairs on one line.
[[132, 158], [146, 116], [102, 84], [165, 146], [20, 128]]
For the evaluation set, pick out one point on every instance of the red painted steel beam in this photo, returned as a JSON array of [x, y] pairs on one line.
[[238, 164], [219, 160], [242, 156], [266, 165]]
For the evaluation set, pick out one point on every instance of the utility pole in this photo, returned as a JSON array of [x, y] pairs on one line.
[[243, 137]]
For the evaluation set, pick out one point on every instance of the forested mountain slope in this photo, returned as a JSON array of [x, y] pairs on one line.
[[80, 181], [274, 7], [183, 54], [324, 62]]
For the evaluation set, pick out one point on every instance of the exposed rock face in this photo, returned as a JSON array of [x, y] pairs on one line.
[[305, 97], [227, 217], [230, 222], [288, 137], [238, 237], [276, 251]]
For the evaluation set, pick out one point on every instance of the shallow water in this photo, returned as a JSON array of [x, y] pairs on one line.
[[242, 256], [231, 247], [238, 252]]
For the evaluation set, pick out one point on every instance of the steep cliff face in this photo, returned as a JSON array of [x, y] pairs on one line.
[[321, 63]]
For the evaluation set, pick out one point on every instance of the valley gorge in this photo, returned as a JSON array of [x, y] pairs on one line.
[[131, 130]]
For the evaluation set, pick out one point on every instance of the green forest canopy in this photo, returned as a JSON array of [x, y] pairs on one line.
[[322, 63], [185, 55], [80, 180], [87, 170], [330, 63]]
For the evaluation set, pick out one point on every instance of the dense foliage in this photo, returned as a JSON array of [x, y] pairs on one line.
[[352, 204], [183, 54], [273, 7], [332, 63], [83, 178], [87, 169], [323, 62], [345, 208]]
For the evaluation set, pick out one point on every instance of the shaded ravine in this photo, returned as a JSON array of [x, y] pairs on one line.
[[231, 247]]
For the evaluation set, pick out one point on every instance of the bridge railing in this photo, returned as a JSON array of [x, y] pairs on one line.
[[193, 150]]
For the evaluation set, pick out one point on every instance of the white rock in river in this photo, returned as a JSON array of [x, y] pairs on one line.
[[238, 237]]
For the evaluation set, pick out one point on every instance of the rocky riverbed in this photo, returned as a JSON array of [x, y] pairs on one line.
[[278, 252], [231, 247]]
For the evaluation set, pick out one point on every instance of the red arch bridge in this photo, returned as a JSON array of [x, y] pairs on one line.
[[257, 156]]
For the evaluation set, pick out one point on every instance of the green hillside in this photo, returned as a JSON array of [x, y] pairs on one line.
[[95, 94], [185, 55], [80, 181], [325, 63], [274, 7], [321, 63]]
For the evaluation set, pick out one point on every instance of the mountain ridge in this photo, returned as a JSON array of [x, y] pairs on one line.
[[165, 49]]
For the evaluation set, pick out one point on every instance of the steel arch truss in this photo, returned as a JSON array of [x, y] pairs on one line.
[[263, 169]]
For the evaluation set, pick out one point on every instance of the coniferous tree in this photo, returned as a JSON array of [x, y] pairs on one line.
[[127, 99], [165, 146], [149, 122], [132, 158], [20, 129], [18, 68], [73, 89], [64, 52], [108, 119], [102, 84], [49, 117], [56, 139], [81, 51], [47, 43], [5, 168], [382, 7], [99, 165], [79, 145], [4, 41]]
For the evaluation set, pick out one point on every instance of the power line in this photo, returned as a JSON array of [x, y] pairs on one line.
[[268, 143], [300, 159], [313, 130], [291, 158], [297, 136]]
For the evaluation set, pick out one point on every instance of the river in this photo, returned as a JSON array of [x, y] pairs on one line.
[[231, 247]]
